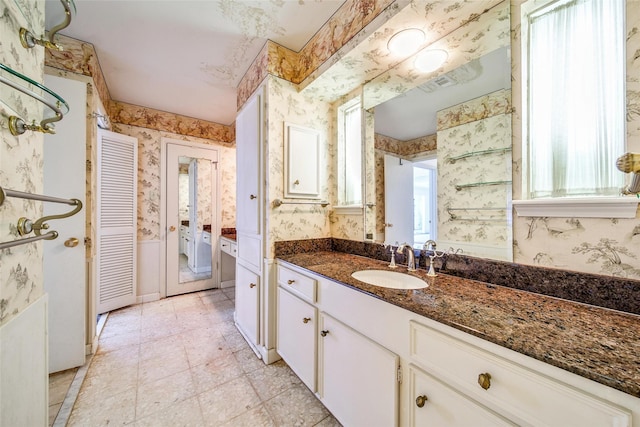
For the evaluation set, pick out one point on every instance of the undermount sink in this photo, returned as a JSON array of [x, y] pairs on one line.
[[389, 279]]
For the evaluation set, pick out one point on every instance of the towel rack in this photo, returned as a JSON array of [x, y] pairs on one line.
[[478, 153], [17, 126], [26, 226], [277, 203], [28, 40], [481, 184]]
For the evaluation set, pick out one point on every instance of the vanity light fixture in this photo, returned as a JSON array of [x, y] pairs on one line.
[[406, 42], [430, 60]]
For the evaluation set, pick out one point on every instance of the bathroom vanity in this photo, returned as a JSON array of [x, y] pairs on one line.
[[456, 353]]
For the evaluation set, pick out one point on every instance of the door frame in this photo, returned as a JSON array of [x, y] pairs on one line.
[[215, 226]]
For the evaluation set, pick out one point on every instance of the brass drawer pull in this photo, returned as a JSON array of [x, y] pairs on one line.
[[291, 282], [252, 285], [484, 380], [324, 333], [306, 319], [421, 400]]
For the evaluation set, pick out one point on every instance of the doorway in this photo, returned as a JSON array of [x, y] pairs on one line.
[[191, 217]]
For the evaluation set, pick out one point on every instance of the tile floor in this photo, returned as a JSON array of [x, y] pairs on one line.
[[59, 384], [181, 362]]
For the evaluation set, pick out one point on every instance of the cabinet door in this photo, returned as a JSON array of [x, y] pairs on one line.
[[248, 140], [247, 297], [357, 377], [297, 336], [433, 403]]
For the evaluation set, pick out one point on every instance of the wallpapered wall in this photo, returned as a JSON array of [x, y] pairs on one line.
[[479, 216], [21, 161], [294, 221], [594, 245], [149, 141]]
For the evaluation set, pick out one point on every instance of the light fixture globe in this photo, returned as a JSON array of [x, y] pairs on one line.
[[430, 60], [406, 42]]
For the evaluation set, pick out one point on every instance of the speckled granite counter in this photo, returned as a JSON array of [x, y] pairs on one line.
[[600, 344]]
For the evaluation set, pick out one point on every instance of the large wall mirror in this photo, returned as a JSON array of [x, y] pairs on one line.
[[442, 167]]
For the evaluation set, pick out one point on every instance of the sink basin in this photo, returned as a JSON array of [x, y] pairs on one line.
[[389, 279]]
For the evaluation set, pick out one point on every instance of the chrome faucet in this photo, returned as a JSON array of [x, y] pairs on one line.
[[429, 245], [411, 257]]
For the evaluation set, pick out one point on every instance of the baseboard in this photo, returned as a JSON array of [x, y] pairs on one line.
[[148, 298], [270, 355], [228, 284]]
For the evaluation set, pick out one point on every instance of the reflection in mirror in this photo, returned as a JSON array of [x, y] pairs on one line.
[[462, 117], [196, 215]]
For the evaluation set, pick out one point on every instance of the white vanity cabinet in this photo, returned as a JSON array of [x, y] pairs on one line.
[[358, 379], [248, 293], [446, 377], [297, 338]]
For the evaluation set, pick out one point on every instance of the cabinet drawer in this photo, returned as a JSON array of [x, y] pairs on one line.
[[531, 397], [227, 246], [299, 284], [433, 403], [234, 248]]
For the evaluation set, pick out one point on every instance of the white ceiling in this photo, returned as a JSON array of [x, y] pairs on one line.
[[187, 56], [413, 114]]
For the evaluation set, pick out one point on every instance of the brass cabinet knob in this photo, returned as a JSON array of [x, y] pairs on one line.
[[421, 400], [253, 197], [291, 282], [172, 228], [306, 319], [324, 333], [71, 242], [252, 285], [296, 182], [484, 380]]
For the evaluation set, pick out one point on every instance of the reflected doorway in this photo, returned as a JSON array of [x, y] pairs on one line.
[[192, 225]]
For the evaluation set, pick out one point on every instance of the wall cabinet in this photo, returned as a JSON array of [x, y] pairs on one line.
[[448, 377], [249, 137]]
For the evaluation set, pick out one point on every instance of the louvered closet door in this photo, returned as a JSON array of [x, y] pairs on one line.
[[117, 221]]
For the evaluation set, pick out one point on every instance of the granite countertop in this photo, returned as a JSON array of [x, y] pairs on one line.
[[229, 236], [600, 344]]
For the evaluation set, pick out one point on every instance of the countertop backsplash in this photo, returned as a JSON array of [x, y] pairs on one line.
[[602, 291]]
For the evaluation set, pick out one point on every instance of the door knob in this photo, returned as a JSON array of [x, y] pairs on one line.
[[306, 319], [252, 197], [324, 333], [252, 285], [172, 228], [71, 242]]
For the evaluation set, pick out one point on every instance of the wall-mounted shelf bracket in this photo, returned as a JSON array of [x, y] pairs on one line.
[[28, 40]]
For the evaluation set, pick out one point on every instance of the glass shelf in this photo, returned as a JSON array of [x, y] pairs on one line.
[[37, 91]]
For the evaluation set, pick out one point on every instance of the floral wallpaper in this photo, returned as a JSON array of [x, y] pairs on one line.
[[593, 245], [149, 177], [474, 192], [21, 160], [296, 221]]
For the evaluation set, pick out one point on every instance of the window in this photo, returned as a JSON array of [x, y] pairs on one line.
[[575, 122], [350, 154]]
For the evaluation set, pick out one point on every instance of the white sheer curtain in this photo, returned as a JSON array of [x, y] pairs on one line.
[[576, 99], [352, 190]]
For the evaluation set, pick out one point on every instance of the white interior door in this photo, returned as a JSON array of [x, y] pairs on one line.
[[116, 230], [64, 266], [398, 203], [196, 224]]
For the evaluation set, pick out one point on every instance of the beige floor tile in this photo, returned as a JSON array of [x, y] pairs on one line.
[[257, 417], [163, 393], [271, 380], [115, 410], [182, 414], [296, 407], [53, 412], [113, 361], [210, 297], [206, 350], [228, 401], [215, 372], [248, 360], [118, 341], [158, 320], [330, 421], [157, 307], [235, 341], [59, 383], [162, 366], [161, 347], [107, 383]]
